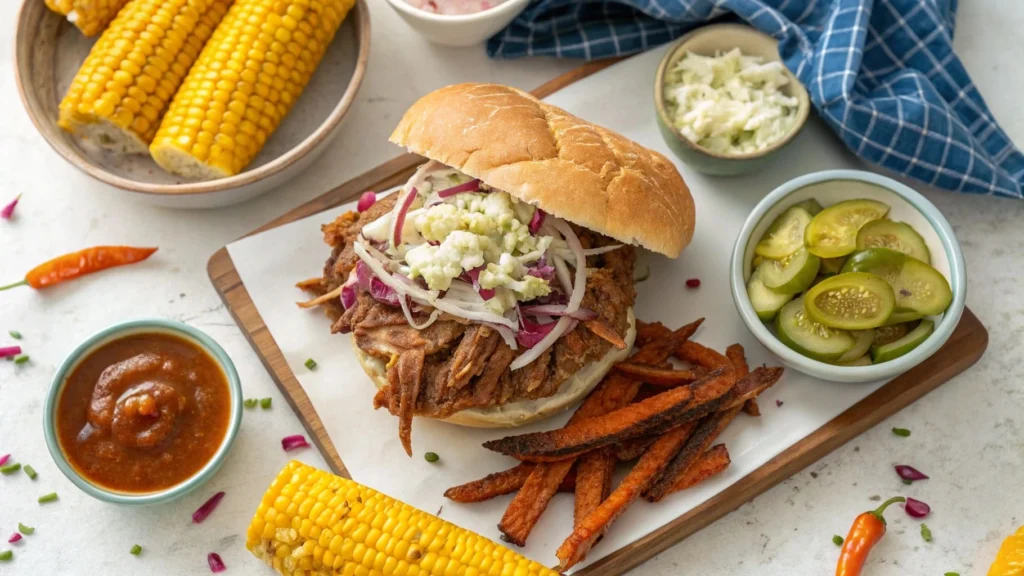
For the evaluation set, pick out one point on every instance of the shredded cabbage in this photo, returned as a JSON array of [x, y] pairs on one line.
[[729, 103]]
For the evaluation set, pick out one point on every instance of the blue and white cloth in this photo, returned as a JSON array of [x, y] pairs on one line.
[[882, 73]]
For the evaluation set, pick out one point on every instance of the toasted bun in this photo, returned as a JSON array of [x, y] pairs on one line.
[[573, 390], [543, 155]]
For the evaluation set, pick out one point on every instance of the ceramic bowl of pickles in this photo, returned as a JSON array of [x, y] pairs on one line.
[[848, 276]]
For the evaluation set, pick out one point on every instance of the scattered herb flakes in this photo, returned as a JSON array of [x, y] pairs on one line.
[[908, 481], [310, 363], [901, 432], [6, 555], [250, 402], [26, 530], [431, 457], [30, 471], [265, 403], [951, 574], [837, 540], [51, 497], [874, 498], [10, 468], [21, 358], [136, 550], [926, 532], [14, 334]]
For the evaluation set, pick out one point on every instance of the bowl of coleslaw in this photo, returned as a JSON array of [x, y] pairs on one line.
[[458, 22], [725, 102]]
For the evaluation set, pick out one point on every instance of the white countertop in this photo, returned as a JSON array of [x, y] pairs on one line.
[[968, 435]]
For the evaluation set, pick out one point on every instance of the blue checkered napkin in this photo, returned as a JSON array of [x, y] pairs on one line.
[[882, 73]]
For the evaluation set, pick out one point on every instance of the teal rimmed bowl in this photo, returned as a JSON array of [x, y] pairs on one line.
[[115, 332], [830, 187]]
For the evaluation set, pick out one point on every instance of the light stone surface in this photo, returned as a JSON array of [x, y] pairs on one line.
[[968, 435]]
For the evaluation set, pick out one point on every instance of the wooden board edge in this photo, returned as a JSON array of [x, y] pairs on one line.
[[970, 339], [272, 358]]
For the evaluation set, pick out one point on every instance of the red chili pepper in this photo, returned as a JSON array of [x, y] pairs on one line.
[[866, 531], [71, 266]]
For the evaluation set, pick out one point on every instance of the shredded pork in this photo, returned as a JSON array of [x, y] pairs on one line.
[[454, 365]]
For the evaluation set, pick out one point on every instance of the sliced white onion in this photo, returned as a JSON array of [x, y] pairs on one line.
[[562, 271], [580, 282], [411, 321], [506, 334], [547, 342]]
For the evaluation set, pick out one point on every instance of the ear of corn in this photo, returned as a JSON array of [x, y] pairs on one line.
[[246, 80], [311, 522], [89, 16], [123, 88]]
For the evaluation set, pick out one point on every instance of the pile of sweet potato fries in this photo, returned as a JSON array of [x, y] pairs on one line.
[[644, 409]]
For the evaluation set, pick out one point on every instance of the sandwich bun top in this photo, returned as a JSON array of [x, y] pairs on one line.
[[547, 157]]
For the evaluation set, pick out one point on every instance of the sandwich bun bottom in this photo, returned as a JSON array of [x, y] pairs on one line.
[[572, 391]]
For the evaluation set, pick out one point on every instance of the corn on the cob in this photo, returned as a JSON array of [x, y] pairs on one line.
[[89, 16], [123, 88], [244, 83], [311, 522]]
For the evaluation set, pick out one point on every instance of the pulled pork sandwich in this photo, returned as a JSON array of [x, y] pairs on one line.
[[496, 286]]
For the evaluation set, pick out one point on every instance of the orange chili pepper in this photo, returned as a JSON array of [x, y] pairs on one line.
[[866, 531], [75, 264]]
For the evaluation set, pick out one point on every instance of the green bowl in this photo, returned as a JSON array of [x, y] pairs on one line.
[[707, 41], [116, 332]]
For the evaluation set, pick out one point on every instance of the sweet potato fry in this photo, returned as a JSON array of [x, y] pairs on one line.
[[586, 532], [700, 355], [657, 376], [738, 358], [698, 442], [652, 416], [633, 448], [314, 283], [715, 460], [531, 501], [593, 481], [614, 392], [491, 486], [647, 332], [752, 385], [606, 332], [336, 293]]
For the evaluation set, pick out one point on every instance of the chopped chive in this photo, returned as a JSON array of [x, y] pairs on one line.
[[10, 468], [310, 363], [31, 472], [908, 481], [837, 540], [51, 497], [265, 403], [951, 574], [901, 432], [21, 358], [6, 555], [15, 334], [136, 550], [926, 532], [431, 457], [250, 402], [26, 530]]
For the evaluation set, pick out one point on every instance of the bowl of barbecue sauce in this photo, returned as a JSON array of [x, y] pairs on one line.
[[143, 412]]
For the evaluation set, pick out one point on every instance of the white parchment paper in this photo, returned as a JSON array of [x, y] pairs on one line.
[[620, 98]]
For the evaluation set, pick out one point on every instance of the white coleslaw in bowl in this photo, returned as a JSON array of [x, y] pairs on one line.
[[730, 103]]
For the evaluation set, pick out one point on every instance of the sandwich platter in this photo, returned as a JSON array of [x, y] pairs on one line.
[[256, 276]]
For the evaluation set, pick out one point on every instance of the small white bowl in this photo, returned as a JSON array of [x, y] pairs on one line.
[[459, 30], [830, 187]]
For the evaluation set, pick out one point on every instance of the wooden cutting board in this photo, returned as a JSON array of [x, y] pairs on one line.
[[963, 349]]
